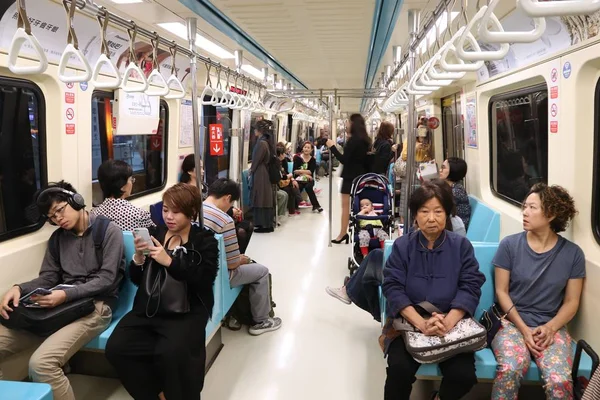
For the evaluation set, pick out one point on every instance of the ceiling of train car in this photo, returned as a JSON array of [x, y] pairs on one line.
[[324, 43]]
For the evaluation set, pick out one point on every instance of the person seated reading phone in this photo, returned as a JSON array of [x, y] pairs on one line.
[[71, 260]]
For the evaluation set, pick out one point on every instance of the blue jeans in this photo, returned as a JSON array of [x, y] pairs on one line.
[[363, 286]]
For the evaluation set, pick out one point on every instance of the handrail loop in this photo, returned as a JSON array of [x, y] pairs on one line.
[[173, 78], [72, 49], [509, 37], [22, 35], [535, 8], [163, 88], [478, 55], [132, 66], [103, 21]]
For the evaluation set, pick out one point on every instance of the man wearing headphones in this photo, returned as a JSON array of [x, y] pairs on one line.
[[90, 270]]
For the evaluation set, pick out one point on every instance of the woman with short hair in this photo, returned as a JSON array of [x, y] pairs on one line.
[[436, 265], [116, 181], [453, 171], [539, 280], [157, 352]]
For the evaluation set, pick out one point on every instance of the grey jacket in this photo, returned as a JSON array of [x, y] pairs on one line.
[[79, 265]]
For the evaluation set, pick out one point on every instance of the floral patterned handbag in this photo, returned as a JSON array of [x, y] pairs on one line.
[[467, 336]]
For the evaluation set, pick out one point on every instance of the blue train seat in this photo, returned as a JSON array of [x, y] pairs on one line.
[[485, 361], [245, 188], [484, 225], [156, 213], [25, 390], [126, 296]]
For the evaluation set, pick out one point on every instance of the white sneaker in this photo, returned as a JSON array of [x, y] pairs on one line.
[[269, 325], [339, 293]]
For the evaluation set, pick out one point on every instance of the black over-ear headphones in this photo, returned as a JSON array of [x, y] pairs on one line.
[[75, 200]]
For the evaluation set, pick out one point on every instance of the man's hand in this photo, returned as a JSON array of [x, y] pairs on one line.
[[11, 298], [56, 298]]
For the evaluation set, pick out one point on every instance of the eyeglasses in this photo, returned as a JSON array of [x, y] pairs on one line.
[[59, 211]]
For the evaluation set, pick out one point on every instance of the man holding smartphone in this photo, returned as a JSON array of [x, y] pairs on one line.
[[71, 259], [242, 271]]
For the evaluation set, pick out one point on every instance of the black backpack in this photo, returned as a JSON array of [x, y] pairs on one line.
[[274, 168], [241, 311]]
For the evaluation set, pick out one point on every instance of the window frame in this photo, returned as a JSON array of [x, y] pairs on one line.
[[493, 99], [43, 149], [596, 171], [111, 96]]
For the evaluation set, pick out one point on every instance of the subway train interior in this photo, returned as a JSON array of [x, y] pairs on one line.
[[149, 82]]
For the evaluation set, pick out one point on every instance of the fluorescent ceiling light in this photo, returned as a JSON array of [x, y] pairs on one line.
[[253, 71], [127, 1], [179, 29]]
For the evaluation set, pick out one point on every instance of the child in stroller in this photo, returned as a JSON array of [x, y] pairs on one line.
[[369, 228]]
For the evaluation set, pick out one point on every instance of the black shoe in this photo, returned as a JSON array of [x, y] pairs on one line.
[[318, 209], [264, 230], [345, 238]]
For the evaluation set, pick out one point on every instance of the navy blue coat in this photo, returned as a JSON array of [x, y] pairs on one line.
[[447, 276]]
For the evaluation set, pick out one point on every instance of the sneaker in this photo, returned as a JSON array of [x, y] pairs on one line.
[[233, 324], [304, 204], [295, 213], [339, 293], [270, 325]]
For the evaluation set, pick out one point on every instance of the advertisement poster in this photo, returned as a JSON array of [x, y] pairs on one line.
[[186, 124], [471, 122]]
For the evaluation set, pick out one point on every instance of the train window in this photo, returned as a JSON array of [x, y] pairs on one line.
[[519, 142], [596, 178], [147, 154], [22, 155]]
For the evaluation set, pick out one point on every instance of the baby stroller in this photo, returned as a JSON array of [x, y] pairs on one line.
[[374, 187]]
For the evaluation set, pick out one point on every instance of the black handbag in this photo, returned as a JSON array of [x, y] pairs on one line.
[[46, 321], [492, 318], [166, 295]]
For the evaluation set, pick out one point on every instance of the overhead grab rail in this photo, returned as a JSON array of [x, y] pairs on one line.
[[553, 8], [461, 66], [22, 35], [133, 67], [478, 54], [72, 49], [509, 37], [208, 89], [173, 80], [104, 59], [219, 93], [155, 75], [226, 97], [425, 80], [432, 72]]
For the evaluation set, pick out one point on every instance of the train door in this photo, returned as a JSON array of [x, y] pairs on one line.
[[452, 127], [216, 142]]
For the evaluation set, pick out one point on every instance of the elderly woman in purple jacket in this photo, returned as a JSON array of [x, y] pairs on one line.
[[436, 265]]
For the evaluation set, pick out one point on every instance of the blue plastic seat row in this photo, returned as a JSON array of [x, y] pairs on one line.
[[485, 361]]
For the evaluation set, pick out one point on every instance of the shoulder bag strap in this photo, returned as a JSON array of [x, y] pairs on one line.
[[546, 266]]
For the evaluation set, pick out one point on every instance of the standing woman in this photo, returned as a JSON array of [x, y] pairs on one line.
[[354, 160], [261, 191], [383, 148], [157, 351]]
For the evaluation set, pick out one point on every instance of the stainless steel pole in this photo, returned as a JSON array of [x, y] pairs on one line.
[[191, 32], [330, 172], [409, 181]]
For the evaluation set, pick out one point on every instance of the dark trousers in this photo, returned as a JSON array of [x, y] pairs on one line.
[[363, 286], [458, 374], [294, 197], [244, 230], [310, 191], [159, 354]]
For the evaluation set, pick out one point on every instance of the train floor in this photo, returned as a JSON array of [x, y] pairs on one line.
[[324, 350]]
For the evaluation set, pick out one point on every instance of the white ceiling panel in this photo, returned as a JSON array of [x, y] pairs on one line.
[[322, 42]]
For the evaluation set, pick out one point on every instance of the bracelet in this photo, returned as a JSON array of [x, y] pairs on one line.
[[137, 263]]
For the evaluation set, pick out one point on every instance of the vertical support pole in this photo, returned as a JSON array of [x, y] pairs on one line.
[[330, 172], [191, 33], [239, 60], [411, 138]]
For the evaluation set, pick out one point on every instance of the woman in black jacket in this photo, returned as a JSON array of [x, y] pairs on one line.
[[354, 159], [160, 354], [383, 148]]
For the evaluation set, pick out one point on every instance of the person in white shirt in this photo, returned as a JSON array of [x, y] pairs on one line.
[[116, 181]]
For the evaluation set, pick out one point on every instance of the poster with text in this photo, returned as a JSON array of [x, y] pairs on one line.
[[471, 122]]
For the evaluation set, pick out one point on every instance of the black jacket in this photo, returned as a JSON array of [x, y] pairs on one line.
[[200, 278], [355, 158], [383, 156]]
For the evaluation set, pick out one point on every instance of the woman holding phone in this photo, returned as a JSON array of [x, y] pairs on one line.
[[161, 354]]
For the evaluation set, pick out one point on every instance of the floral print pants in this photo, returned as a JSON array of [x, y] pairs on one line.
[[514, 359]]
